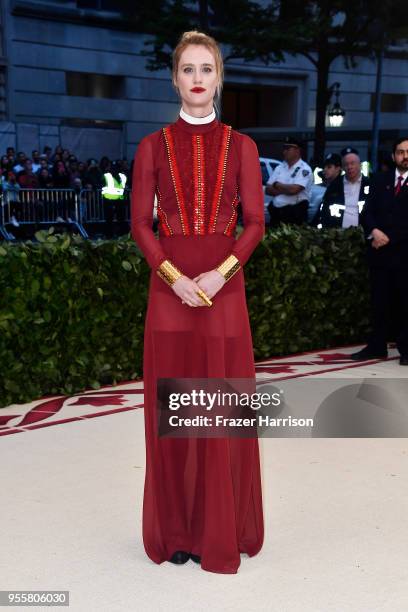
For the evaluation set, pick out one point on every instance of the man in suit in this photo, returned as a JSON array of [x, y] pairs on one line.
[[385, 222], [345, 196]]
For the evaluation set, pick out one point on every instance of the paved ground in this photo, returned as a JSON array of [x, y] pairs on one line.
[[72, 472]]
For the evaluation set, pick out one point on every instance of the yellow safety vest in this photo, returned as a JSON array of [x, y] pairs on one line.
[[113, 189]]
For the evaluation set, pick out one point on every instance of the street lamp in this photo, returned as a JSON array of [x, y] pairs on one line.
[[335, 112]]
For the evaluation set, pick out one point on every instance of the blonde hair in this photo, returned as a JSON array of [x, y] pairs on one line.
[[193, 37]]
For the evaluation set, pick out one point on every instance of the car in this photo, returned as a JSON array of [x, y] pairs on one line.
[[268, 165]]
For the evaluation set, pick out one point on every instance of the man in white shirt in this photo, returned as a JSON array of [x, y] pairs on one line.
[[345, 197], [19, 166], [352, 187], [36, 160], [291, 186]]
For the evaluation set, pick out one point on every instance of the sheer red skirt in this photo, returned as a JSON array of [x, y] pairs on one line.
[[201, 495]]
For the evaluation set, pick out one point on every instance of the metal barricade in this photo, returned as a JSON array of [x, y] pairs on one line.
[[39, 205], [25, 208], [93, 206], [44, 206]]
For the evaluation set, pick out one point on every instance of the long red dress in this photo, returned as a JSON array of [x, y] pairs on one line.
[[201, 495]]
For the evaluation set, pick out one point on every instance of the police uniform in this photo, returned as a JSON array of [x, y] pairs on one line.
[[348, 150], [291, 208], [332, 159], [113, 194], [331, 212]]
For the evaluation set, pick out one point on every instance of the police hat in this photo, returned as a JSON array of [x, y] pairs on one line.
[[332, 159], [294, 142], [348, 150]]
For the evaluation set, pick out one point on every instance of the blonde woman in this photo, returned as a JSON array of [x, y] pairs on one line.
[[202, 496]]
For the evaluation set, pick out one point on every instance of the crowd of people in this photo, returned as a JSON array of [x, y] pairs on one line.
[[290, 185], [58, 169], [379, 204], [343, 193]]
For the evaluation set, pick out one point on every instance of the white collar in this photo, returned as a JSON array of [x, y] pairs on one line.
[[197, 120], [404, 176], [360, 178]]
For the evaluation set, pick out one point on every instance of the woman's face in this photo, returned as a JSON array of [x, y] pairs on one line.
[[197, 71]]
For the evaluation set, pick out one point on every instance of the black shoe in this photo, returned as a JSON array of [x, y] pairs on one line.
[[195, 558], [366, 353], [179, 557], [404, 360]]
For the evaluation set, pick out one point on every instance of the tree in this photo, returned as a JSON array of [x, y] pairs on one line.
[[321, 31], [324, 30]]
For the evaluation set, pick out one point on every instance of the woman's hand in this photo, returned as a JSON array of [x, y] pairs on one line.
[[210, 282], [186, 289]]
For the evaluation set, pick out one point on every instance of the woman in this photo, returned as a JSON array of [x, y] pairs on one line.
[[61, 182], [202, 496], [11, 198], [6, 165], [45, 179]]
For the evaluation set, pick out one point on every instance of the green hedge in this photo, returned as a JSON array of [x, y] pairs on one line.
[[72, 310], [307, 289]]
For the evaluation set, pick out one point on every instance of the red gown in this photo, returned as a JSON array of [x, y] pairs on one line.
[[201, 495]]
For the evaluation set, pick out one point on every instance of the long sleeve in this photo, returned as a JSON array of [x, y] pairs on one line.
[[322, 212], [368, 216], [252, 199], [142, 202]]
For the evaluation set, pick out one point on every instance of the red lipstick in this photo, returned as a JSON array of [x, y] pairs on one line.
[[197, 89]]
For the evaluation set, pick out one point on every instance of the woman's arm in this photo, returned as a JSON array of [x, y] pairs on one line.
[[252, 198], [142, 201]]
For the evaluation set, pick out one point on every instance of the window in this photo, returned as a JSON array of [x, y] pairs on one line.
[[391, 103], [90, 85], [96, 123], [2, 93], [258, 105], [104, 5]]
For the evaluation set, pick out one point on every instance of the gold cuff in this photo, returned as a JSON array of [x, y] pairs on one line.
[[229, 266], [168, 272]]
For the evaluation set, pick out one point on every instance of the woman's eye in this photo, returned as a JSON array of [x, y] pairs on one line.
[[187, 69], [207, 69]]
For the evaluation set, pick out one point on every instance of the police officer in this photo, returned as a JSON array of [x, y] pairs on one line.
[[331, 168], [291, 186], [113, 195], [345, 197]]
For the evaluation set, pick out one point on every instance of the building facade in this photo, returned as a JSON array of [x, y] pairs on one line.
[[71, 73]]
